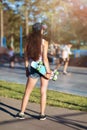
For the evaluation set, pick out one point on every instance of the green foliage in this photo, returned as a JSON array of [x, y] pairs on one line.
[[12, 28], [65, 22]]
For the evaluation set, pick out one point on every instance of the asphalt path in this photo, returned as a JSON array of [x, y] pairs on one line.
[[73, 83], [57, 118]]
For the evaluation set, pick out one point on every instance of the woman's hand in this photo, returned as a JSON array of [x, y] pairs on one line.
[[48, 75]]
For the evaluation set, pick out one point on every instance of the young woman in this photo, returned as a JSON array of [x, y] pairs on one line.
[[36, 50]]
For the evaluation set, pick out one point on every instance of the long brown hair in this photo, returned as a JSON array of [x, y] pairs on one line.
[[33, 49]]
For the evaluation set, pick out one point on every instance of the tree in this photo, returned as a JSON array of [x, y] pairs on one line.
[[66, 19], [2, 32]]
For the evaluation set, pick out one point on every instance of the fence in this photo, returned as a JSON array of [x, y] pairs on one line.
[[78, 53]]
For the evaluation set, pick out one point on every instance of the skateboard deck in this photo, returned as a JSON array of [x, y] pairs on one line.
[[39, 67]]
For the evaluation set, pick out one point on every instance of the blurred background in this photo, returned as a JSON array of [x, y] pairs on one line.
[[66, 21]]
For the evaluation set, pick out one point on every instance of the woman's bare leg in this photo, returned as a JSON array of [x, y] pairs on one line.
[[43, 90], [29, 87], [65, 66]]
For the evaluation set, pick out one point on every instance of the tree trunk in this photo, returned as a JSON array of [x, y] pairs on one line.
[[78, 44], [1, 44], [26, 17]]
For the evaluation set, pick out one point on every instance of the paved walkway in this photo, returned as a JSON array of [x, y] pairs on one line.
[[57, 118]]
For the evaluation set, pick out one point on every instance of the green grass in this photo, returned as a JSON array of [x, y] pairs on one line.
[[54, 98]]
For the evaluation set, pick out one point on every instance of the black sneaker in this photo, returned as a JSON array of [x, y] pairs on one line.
[[42, 117], [20, 115]]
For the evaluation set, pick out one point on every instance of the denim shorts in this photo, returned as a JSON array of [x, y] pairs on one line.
[[33, 73]]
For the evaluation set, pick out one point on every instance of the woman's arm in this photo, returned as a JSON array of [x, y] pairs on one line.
[[26, 60], [45, 58]]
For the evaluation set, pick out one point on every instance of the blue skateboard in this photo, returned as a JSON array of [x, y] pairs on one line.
[[39, 67]]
